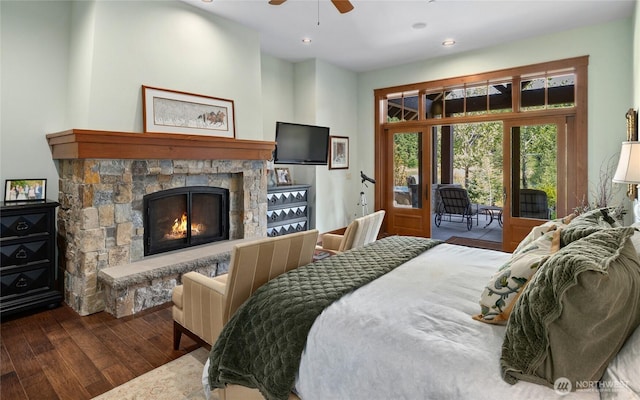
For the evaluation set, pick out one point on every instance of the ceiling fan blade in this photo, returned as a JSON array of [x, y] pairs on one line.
[[344, 6], [276, 2]]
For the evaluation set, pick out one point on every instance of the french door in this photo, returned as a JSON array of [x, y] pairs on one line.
[[537, 175], [406, 181]]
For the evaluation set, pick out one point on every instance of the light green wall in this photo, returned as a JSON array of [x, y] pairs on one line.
[[336, 108], [609, 47], [82, 64], [175, 46], [277, 93], [34, 61]]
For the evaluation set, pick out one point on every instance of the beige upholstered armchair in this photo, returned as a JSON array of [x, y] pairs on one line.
[[361, 231], [202, 305]]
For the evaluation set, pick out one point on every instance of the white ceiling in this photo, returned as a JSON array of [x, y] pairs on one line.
[[379, 33]]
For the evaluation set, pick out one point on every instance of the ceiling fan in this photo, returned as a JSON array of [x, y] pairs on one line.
[[344, 6]]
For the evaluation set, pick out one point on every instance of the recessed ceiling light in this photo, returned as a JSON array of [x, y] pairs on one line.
[[448, 42], [419, 25], [306, 40]]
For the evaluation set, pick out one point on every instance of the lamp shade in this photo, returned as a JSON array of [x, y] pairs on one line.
[[628, 170]]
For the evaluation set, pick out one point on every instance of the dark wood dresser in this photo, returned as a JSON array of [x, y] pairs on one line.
[[28, 264]]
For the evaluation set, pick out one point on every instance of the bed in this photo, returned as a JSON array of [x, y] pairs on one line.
[[409, 332]]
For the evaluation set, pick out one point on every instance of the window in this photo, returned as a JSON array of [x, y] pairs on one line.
[[441, 110], [546, 92], [402, 107]]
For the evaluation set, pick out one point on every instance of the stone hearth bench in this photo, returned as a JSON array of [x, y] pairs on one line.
[[131, 288]]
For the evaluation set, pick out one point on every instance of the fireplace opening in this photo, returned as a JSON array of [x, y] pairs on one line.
[[185, 217]]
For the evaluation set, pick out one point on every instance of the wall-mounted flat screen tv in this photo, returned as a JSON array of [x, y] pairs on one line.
[[301, 144]]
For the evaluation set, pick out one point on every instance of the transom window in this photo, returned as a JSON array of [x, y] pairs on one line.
[[538, 91]]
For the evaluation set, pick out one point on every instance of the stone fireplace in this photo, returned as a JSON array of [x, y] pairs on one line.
[[101, 220]]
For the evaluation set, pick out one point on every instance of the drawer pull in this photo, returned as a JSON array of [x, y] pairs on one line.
[[22, 226], [22, 283], [21, 254]]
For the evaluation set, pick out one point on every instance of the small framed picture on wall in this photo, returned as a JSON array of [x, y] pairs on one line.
[[338, 152]]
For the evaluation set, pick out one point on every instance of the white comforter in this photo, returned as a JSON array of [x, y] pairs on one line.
[[409, 335]]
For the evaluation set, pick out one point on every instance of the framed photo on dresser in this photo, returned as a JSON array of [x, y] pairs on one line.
[[25, 190], [283, 176]]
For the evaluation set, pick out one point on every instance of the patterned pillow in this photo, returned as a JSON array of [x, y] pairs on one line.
[[504, 287], [540, 230], [576, 313]]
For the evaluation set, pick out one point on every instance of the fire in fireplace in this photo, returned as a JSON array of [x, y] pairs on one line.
[[185, 217]]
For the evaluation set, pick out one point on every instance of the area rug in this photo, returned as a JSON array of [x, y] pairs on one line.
[[180, 379]]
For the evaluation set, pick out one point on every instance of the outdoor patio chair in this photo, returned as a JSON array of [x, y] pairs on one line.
[[534, 204], [455, 201]]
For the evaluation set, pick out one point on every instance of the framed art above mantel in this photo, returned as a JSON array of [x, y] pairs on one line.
[[171, 111]]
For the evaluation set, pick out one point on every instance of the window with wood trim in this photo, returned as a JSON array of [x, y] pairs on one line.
[[555, 89]]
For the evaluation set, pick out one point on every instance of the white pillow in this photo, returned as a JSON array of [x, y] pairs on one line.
[[621, 379], [538, 231]]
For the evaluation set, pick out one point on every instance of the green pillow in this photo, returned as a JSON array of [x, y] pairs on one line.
[[585, 224], [604, 217], [576, 312]]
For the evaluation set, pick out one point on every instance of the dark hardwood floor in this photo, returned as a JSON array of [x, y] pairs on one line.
[[57, 354]]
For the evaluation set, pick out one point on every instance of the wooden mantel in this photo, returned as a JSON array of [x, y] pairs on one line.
[[88, 144]]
